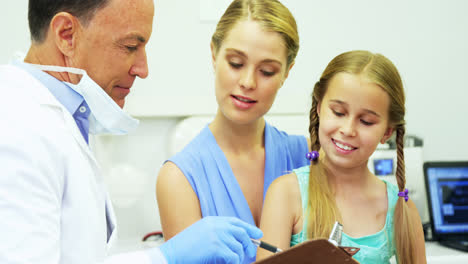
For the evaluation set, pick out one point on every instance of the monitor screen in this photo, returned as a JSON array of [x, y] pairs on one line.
[[448, 191], [383, 167]]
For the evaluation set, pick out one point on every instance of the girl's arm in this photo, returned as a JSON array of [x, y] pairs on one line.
[[281, 213], [178, 204], [420, 246]]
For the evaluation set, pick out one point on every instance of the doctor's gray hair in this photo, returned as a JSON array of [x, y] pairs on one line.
[[41, 12]]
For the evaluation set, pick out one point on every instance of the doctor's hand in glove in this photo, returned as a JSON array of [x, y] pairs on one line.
[[213, 239]]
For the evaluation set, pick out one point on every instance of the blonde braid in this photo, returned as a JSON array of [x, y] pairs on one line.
[[321, 207], [400, 170], [404, 232], [314, 122]]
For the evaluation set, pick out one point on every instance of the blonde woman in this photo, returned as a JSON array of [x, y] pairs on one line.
[[227, 169], [358, 103]]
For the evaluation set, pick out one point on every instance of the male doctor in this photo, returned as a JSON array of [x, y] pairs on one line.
[[54, 208]]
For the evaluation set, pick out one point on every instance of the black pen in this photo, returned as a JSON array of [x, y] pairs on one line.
[[266, 246]]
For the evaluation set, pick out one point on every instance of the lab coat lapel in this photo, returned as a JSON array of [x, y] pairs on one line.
[[46, 98], [111, 223], [38, 91], [73, 128], [34, 89], [71, 124]]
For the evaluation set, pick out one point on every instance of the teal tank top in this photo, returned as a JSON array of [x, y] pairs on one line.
[[375, 248]]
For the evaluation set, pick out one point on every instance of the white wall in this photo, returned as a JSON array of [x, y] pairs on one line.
[[426, 39]]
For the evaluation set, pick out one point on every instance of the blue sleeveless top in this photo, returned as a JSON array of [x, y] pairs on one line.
[[375, 248], [206, 168]]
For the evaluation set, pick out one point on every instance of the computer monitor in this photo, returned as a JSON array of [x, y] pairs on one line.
[[447, 193], [383, 167]]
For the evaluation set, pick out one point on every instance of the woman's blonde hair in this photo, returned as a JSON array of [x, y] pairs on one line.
[[270, 14], [322, 210]]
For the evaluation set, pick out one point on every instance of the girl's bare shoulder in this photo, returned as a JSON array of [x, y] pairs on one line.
[[286, 186]]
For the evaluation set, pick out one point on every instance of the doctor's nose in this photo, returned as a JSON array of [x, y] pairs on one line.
[[140, 66], [247, 79], [348, 128]]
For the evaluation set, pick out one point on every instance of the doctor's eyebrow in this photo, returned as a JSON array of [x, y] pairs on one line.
[[133, 37]]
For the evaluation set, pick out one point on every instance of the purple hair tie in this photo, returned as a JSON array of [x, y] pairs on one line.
[[313, 155], [404, 194]]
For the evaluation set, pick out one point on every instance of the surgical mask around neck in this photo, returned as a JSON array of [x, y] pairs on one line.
[[106, 116]]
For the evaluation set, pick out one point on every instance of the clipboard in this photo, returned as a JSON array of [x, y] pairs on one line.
[[311, 252]]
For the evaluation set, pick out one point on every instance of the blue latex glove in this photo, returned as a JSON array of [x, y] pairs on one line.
[[213, 239]]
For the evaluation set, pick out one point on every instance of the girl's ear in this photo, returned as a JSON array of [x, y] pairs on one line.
[[318, 108], [388, 133]]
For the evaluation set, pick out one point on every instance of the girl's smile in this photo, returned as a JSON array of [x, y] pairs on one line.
[[353, 120]]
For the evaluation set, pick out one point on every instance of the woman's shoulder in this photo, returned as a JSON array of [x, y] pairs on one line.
[[197, 148], [197, 156], [290, 139]]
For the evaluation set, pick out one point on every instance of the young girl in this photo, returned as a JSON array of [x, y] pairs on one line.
[[228, 167], [358, 102]]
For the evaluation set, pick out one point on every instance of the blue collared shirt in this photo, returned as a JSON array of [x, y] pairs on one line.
[[73, 101]]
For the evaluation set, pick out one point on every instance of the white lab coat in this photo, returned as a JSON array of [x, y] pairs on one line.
[[54, 207]]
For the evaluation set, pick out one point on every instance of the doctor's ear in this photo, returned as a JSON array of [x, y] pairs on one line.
[[388, 133], [63, 28]]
